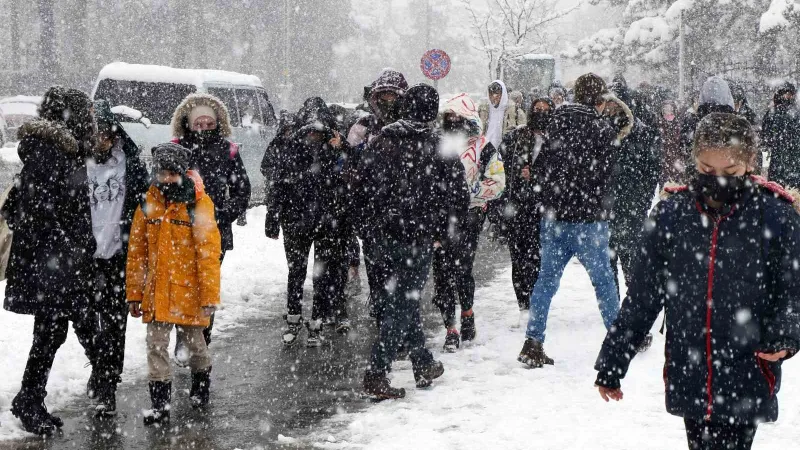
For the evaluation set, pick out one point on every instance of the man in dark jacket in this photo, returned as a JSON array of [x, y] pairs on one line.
[[52, 250], [780, 136], [118, 180], [202, 124], [579, 161], [307, 201], [404, 196]]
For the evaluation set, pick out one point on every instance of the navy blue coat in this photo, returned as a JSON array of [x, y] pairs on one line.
[[736, 274]]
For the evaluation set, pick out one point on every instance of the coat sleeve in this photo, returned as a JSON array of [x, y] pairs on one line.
[[783, 325], [238, 191], [207, 242], [136, 266], [640, 309]]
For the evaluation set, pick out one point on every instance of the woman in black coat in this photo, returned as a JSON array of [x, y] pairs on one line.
[[720, 257], [51, 253]]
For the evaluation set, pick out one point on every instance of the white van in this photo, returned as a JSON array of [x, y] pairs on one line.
[[155, 92]]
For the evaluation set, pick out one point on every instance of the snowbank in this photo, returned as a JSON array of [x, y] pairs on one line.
[[775, 17], [8, 154]]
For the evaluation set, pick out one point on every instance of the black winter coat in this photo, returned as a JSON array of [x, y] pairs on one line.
[[578, 163], [48, 211], [521, 197], [637, 166], [780, 136], [137, 181], [405, 190], [730, 286], [220, 166]]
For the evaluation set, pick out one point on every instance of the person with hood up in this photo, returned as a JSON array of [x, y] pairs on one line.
[[404, 198], [720, 258], [308, 202], [383, 96], [174, 275], [499, 116], [576, 197], [673, 159], [49, 213], [118, 181], [715, 96], [485, 178], [780, 135], [741, 106], [521, 149], [202, 124]]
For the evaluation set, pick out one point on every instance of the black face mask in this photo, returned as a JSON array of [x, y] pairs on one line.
[[725, 189], [389, 110], [175, 192], [539, 120], [206, 135]]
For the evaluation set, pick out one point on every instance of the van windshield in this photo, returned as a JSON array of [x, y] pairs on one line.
[[157, 101]]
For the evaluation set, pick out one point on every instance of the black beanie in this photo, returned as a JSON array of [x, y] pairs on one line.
[[589, 89], [172, 157], [420, 104], [72, 107]]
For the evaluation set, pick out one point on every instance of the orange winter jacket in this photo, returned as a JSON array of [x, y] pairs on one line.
[[173, 259]]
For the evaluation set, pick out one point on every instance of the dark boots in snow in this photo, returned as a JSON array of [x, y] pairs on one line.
[[201, 385], [452, 342], [294, 325], [425, 374], [106, 401], [29, 408], [315, 337], [468, 331], [533, 354], [377, 386], [161, 397]]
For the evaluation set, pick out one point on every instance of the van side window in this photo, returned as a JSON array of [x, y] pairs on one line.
[[229, 99], [248, 107], [157, 101], [266, 108]]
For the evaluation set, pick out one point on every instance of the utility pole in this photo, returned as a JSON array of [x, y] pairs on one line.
[[681, 51], [287, 86]]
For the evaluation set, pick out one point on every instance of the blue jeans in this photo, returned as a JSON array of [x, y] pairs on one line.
[[560, 242]]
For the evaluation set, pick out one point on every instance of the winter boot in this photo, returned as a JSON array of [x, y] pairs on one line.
[[29, 408], [294, 324], [92, 385], [533, 354], [315, 337], [468, 331], [160, 396], [376, 385], [452, 342], [425, 374], [646, 343], [201, 385], [106, 401]]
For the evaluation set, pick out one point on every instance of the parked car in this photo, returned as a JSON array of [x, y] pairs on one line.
[[17, 111], [155, 92]]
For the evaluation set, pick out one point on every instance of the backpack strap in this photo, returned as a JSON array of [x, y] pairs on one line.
[[233, 150]]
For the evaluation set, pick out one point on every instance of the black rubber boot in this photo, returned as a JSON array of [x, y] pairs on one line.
[[377, 386], [533, 355], [29, 408], [425, 374], [106, 401], [160, 396], [201, 386], [468, 331]]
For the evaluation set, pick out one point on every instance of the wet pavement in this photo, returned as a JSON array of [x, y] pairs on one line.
[[260, 389]]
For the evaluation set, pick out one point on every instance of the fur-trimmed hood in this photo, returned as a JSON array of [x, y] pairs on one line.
[[179, 125], [53, 134]]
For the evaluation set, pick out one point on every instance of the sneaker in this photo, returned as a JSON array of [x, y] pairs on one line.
[[294, 324], [468, 331], [452, 342], [377, 386], [425, 375], [646, 343], [533, 354], [343, 326], [315, 337]]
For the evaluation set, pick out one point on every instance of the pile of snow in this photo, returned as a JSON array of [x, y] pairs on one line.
[[775, 16], [648, 31], [8, 153]]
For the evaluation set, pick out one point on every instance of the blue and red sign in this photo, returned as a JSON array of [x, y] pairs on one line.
[[435, 64]]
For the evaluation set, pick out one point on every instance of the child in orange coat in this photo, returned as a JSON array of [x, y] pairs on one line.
[[174, 274]]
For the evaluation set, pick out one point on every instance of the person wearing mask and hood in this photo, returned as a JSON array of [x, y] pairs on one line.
[[202, 124], [118, 181], [499, 115], [520, 150], [780, 136], [51, 253], [741, 105], [308, 202], [485, 178], [405, 196]]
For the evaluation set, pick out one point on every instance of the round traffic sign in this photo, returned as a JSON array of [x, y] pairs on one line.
[[435, 64]]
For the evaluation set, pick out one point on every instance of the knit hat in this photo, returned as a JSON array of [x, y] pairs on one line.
[[169, 156], [589, 89], [71, 107], [420, 104], [201, 111]]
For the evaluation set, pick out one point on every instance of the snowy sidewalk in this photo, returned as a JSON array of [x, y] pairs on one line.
[[486, 399]]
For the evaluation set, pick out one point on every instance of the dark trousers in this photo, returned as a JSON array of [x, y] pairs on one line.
[[524, 245], [49, 333], [330, 273], [704, 435], [108, 316], [625, 239], [407, 270], [452, 268], [207, 330], [376, 278]]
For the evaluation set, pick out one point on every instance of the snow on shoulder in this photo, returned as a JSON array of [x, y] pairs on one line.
[[162, 74]]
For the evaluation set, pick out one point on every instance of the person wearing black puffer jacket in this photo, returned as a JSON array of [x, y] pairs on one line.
[[202, 124], [307, 201], [404, 196], [48, 211], [720, 257], [780, 135]]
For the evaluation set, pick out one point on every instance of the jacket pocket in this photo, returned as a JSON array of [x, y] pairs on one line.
[[769, 376], [184, 300]]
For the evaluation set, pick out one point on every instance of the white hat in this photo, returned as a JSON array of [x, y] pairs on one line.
[[201, 111]]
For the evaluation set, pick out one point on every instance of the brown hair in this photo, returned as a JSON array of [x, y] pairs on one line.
[[589, 89], [729, 131]]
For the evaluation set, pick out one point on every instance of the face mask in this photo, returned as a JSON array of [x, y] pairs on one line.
[[171, 191], [669, 117], [388, 110], [206, 135], [727, 189], [539, 120]]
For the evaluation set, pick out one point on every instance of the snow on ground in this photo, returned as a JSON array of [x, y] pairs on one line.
[[486, 399], [252, 274]]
